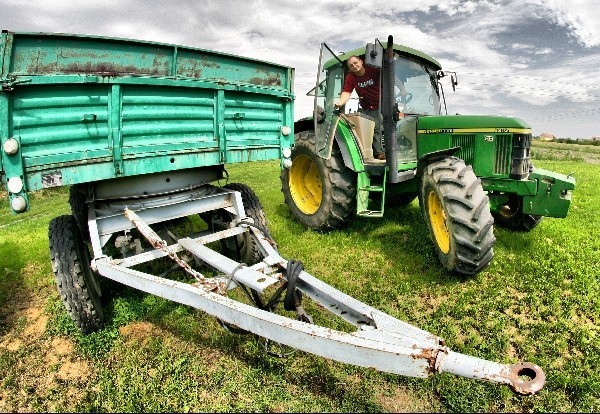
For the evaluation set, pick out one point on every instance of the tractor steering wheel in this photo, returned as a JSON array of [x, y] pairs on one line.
[[404, 99]]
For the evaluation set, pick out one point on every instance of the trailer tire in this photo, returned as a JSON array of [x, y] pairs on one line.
[[248, 249], [75, 280], [79, 210], [458, 217], [511, 216], [321, 194]]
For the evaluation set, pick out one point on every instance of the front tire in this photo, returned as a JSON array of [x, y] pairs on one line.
[[458, 216], [74, 277], [321, 194]]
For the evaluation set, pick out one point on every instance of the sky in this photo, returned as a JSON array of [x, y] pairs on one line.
[[537, 60]]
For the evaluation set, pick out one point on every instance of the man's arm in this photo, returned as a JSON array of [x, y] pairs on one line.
[[343, 99]]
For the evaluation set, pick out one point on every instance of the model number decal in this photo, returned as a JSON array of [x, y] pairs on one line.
[[52, 179], [501, 130], [439, 131], [488, 138]]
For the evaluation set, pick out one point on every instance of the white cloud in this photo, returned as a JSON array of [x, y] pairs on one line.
[[462, 35], [62, 5], [581, 16]]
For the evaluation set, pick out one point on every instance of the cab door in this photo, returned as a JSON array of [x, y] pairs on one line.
[[330, 79]]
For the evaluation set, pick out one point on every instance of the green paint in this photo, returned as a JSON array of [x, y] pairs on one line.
[[496, 147], [88, 108]]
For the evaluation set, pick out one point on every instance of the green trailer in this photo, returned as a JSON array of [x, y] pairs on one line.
[[80, 109], [141, 132]]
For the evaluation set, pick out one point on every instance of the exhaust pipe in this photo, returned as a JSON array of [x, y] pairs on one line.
[[389, 104]]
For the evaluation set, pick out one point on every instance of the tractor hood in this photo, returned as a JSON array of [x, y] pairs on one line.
[[471, 123]]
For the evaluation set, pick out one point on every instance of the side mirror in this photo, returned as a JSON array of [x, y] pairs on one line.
[[374, 55], [454, 81]]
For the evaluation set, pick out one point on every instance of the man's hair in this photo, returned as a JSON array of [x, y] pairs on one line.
[[353, 56]]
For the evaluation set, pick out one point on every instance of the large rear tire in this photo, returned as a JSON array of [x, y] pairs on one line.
[[75, 280], [511, 216], [321, 194], [458, 216]]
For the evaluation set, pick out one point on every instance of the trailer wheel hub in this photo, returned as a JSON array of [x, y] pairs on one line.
[[305, 185], [439, 224]]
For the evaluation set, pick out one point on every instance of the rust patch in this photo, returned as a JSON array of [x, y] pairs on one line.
[[189, 69], [526, 378], [209, 64], [102, 68], [272, 80], [430, 355]]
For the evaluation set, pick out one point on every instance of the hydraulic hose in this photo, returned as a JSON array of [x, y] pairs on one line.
[[292, 296]]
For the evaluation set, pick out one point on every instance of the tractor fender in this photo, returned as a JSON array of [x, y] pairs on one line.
[[345, 150], [346, 145], [344, 137]]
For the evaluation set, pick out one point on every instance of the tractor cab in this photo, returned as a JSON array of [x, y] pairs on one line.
[[408, 88]]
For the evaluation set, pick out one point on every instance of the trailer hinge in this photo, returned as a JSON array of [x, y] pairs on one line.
[[8, 85]]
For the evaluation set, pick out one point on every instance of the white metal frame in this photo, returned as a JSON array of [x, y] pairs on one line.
[[380, 341]]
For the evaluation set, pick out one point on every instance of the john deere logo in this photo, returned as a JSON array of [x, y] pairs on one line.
[[488, 138]]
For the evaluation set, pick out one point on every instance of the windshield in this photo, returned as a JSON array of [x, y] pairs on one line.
[[415, 87]]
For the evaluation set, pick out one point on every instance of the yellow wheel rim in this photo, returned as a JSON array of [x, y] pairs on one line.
[[305, 185], [439, 224]]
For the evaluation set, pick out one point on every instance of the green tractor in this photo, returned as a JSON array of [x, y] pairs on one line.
[[468, 172]]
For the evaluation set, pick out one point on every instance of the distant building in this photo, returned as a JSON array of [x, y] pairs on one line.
[[546, 136]]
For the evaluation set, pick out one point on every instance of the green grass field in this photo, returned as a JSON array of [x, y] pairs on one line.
[[538, 302]]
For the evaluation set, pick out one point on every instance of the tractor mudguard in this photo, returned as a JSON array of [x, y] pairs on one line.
[[349, 160], [344, 139], [325, 133], [347, 144], [553, 196]]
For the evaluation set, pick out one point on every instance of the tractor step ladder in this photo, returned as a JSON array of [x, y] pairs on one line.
[[363, 196]]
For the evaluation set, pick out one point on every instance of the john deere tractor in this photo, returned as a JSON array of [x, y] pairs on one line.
[[468, 172]]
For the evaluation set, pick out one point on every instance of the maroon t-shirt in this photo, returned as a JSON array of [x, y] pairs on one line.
[[366, 86]]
